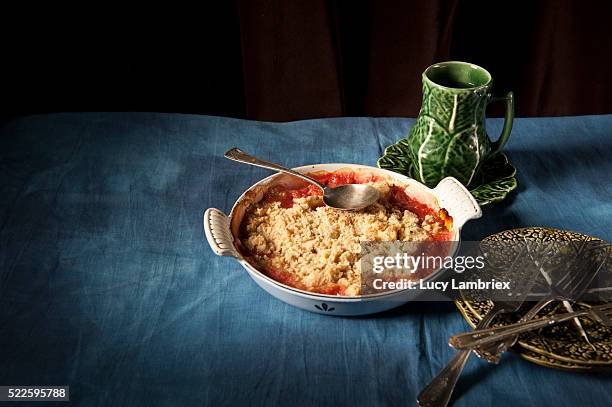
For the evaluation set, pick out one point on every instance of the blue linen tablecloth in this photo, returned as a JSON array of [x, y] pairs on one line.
[[107, 283]]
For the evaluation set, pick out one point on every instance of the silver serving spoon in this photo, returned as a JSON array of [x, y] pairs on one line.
[[345, 197]]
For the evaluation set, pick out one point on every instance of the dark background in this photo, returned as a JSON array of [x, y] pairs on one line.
[[288, 60]]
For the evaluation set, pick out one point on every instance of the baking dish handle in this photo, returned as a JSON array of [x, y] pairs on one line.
[[455, 198], [216, 228]]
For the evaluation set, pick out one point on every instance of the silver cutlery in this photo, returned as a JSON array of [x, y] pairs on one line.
[[573, 284], [568, 286], [468, 340], [439, 391]]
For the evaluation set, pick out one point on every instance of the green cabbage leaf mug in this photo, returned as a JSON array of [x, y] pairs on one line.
[[449, 137]]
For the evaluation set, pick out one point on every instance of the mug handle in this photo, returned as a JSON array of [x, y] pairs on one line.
[[508, 119]]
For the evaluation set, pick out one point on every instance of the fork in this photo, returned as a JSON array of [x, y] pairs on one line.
[[468, 340], [439, 391], [572, 285]]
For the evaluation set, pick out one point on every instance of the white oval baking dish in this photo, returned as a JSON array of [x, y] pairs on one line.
[[221, 232]]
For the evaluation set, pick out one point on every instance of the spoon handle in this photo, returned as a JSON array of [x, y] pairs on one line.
[[439, 391], [237, 154]]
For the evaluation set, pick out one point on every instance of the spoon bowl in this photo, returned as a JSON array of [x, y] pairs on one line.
[[350, 196]]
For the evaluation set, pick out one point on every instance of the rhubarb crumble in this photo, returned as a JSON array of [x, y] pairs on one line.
[[291, 236]]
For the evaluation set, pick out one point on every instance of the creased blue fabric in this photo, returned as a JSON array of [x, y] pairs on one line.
[[107, 284]]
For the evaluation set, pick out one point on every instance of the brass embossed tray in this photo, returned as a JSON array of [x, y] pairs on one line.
[[560, 346]]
